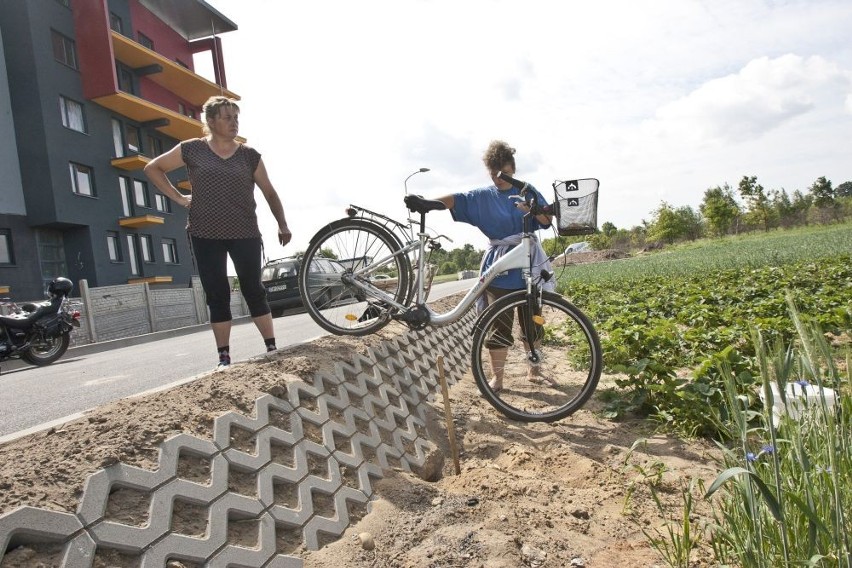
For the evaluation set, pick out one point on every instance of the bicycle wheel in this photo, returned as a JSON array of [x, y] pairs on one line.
[[567, 373], [331, 299]]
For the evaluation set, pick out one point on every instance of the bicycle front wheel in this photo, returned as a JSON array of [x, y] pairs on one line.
[[362, 252], [568, 369]]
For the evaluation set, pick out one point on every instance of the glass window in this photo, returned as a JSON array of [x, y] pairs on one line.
[[132, 253], [162, 203], [126, 202], [114, 246], [125, 80], [72, 114], [145, 41], [63, 49], [155, 146], [117, 139], [7, 255], [132, 138], [82, 180], [147, 248], [170, 251], [115, 23], [140, 193]]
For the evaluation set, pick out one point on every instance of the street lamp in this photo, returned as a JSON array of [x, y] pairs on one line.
[[420, 171]]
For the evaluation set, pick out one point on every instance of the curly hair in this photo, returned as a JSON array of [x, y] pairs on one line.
[[498, 155], [213, 105]]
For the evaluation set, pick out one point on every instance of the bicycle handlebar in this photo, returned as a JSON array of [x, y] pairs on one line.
[[535, 208]]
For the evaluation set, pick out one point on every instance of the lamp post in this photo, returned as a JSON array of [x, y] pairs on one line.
[[420, 171]]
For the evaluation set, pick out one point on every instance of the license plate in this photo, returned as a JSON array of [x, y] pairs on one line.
[[278, 288]]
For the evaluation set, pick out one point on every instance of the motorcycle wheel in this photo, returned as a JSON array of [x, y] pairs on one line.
[[47, 351]]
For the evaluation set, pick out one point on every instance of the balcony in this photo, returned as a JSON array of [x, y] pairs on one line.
[[131, 163], [174, 77], [179, 126], [140, 221]]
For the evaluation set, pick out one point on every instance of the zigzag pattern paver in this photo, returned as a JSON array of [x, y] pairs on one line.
[[368, 415]]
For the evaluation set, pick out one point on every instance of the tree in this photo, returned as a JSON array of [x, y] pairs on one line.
[[824, 200], [759, 212], [720, 209], [665, 226], [844, 189]]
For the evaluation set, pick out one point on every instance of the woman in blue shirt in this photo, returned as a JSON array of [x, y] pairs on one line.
[[498, 212]]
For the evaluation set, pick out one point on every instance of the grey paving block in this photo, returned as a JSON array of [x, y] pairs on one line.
[[32, 525], [377, 403]]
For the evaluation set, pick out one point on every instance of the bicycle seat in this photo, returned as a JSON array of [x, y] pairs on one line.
[[418, 204]]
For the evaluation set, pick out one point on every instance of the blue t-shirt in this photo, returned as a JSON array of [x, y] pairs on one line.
[[493, 212]]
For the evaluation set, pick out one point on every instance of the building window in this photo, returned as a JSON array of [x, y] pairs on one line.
[[72, 114], [140, 193], [117, 139], [155, 146], [7, 255], [114, 246], [162, 203], [126, 201], [125, 80], [115, 23], [132, 139], [133, 255], [147, 248], [63, 49], [145, 41], [82, 180], [170, 251]]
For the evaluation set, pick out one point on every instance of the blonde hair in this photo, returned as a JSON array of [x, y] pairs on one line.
[[212, 107], [498, 155]]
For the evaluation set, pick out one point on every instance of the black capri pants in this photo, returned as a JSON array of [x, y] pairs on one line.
[[211, 256]]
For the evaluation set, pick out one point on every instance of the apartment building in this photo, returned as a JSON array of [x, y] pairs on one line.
[[90, 92]]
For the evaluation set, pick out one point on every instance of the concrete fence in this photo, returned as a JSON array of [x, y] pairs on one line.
[[128, 310]]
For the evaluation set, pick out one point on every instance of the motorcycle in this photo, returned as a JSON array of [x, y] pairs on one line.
[[40, 332]]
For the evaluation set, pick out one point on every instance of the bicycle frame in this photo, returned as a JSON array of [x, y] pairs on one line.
[[517, 257]]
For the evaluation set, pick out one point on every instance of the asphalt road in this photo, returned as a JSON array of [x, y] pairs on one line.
[[34, 398]]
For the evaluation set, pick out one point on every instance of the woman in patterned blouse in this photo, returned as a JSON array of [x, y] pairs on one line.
[[222, 219]]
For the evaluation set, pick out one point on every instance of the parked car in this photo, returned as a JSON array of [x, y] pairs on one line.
[[583, 246], [280, 278]]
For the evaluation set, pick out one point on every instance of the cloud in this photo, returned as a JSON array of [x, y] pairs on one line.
[[764, 95]]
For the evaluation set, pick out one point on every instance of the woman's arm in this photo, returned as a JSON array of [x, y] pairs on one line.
[[157, 169], [261, 178]]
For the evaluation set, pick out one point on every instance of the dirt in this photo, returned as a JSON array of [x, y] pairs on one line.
[[573, 493]]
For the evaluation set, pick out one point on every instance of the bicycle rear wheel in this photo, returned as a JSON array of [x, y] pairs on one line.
[[364, 250], [567, 373]]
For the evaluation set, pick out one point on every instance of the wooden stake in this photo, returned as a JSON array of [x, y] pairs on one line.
[[448, 415]]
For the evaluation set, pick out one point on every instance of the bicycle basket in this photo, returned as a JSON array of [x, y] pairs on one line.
[[576, 206]]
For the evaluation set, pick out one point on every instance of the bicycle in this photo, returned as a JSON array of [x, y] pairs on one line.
[[542, 381]]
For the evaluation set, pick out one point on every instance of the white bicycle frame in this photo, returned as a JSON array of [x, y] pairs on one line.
[[518, 257]]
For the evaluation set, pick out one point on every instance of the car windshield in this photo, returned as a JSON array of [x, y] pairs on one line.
[[280, 270]]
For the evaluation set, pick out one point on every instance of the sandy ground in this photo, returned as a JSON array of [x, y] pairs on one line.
[[573, 493]]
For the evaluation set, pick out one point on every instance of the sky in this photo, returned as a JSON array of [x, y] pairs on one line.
[[660, 100]]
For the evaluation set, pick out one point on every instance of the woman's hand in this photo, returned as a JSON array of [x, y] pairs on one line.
[[185, 201]]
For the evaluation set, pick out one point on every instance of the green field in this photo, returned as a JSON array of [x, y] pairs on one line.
[[753, 250]]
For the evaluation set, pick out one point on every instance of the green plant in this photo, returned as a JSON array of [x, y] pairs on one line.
[[784, 497]]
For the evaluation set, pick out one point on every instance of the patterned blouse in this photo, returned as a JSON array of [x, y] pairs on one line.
[[223, 205]]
